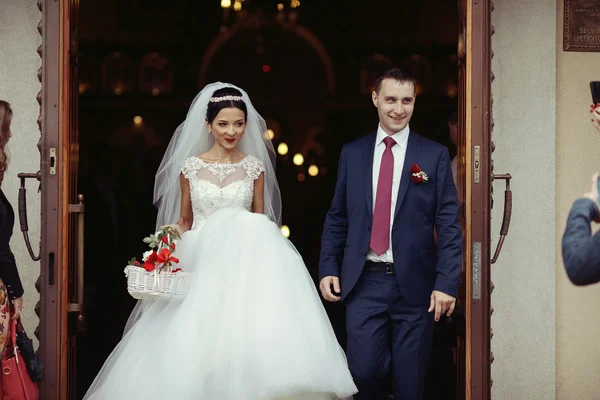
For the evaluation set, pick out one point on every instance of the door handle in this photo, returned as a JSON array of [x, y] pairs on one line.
[[77, 307], [507, 213], [23, 209]]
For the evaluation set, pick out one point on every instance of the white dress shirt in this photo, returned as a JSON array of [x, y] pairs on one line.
[[399, 152]]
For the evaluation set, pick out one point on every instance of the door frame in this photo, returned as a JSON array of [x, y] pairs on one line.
[[478, 198], [55, 114], [50, 348], [55, 153]]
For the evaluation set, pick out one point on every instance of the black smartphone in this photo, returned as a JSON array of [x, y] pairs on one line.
[[595, 88]]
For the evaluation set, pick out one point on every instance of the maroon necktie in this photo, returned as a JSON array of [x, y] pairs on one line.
[[380, 234]]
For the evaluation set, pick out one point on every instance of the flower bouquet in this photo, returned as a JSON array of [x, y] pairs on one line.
[[156, 276]]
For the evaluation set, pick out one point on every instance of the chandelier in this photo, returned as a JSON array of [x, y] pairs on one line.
[[282, 11]]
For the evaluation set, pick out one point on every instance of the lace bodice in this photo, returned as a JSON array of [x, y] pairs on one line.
[[214, 186]]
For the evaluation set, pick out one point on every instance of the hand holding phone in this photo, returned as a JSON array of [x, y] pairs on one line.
[[595, 88], [595, 107]]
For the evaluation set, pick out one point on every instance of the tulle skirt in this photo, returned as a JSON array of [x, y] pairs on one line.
[[252, 325]]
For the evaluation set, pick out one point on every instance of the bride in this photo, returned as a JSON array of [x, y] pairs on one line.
[[252, 325]]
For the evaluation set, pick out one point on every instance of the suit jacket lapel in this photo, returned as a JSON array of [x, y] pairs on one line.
[[368, 171], [413, 149]]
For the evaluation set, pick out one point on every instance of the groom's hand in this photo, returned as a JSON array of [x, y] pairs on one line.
[[441, 303], [325, 286]]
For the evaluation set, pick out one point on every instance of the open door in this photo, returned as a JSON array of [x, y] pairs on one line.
[[476, 117], [61, 311], [461, 360]]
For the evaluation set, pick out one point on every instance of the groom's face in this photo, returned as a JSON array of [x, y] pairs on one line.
[[395, 103]]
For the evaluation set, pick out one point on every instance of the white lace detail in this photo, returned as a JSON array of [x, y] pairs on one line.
[[214, 185]]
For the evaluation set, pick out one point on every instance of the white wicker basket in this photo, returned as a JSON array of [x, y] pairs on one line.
[[144, 285]]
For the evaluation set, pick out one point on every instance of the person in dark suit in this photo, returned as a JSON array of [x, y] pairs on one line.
[[378, 252], [11, 288]]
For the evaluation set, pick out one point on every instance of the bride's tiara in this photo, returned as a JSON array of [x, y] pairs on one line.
[[226, 98]]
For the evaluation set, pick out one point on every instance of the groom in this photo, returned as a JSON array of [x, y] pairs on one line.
[[378, 253]]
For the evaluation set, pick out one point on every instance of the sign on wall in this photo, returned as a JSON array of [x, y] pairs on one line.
[[582, 25]]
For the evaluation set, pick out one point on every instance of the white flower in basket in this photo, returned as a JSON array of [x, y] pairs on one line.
[[156, 278]]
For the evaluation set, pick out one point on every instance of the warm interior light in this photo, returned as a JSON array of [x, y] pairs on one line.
[[298, 159], [282, 149]]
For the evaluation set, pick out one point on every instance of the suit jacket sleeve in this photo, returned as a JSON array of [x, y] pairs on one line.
[[581, 249], [447, 226], [335, 231]]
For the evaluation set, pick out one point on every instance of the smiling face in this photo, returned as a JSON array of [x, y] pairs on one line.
[[228, 127], [395, 103]]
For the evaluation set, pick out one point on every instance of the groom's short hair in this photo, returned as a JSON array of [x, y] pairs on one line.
[[397, 74]]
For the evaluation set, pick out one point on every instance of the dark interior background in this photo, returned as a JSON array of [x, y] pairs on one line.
[[309, 70]]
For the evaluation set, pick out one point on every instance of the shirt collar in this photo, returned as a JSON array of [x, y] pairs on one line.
[[401, 137]]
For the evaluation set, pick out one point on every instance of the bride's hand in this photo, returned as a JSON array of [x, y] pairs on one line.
[[176, 227]]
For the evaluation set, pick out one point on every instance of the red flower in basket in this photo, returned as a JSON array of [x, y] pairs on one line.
[[418, 175], [142, 283], [150, 259], [149, 266], [162, 246], [164, 257]]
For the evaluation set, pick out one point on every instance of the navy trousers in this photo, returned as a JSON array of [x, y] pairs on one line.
[[387, 336]]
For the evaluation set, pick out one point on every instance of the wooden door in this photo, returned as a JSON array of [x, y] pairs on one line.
[[61, 308], [477, 108], [461, 361]]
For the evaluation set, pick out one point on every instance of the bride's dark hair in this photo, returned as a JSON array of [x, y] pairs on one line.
[[216, 106], [5, 119]]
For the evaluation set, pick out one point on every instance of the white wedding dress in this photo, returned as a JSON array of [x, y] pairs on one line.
[[252, 325]]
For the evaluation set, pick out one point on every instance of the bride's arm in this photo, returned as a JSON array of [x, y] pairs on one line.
[[186, 217], [258, 200]]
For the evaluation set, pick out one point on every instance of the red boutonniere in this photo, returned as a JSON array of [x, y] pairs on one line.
[[418, 175]]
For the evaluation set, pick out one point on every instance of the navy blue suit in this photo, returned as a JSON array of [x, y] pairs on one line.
[[388, 326]]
